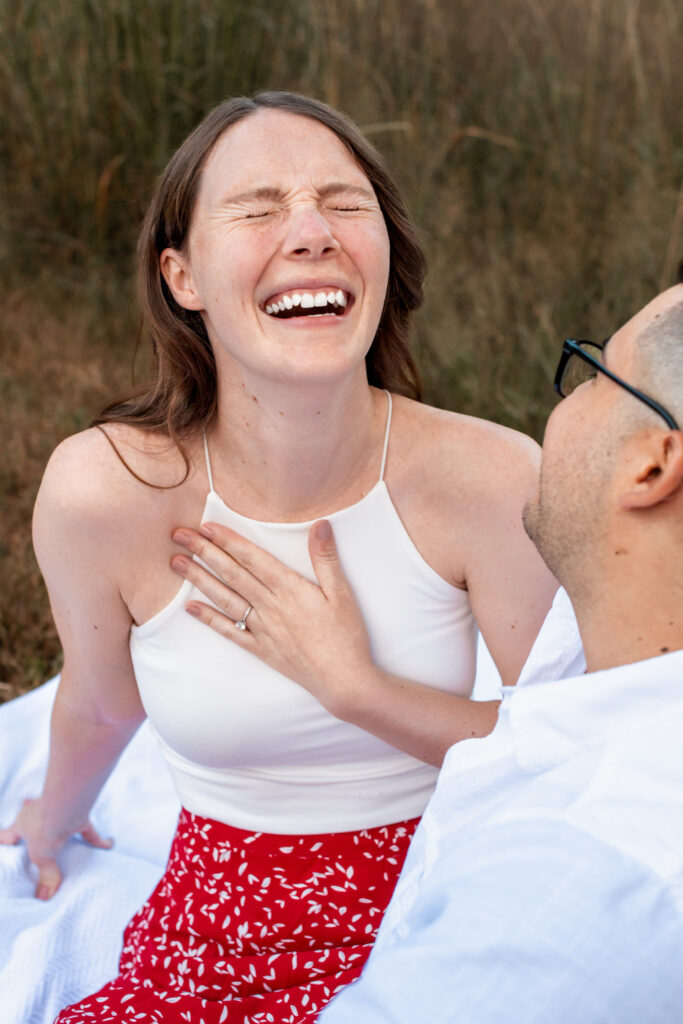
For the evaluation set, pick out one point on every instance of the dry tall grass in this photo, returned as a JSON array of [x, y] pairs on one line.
[[539, 143]]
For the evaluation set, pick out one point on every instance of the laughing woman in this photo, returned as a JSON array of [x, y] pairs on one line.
[[279, 272]]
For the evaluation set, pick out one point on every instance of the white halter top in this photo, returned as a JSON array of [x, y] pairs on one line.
[[249, 747]]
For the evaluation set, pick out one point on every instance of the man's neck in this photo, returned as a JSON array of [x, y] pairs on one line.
[[630, 620]]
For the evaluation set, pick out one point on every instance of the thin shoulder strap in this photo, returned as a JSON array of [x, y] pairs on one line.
[[208, 460], [386, 437]]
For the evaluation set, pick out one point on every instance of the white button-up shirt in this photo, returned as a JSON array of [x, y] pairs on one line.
[[544, 884]]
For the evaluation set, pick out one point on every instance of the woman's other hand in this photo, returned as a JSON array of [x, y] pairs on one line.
[[312, 634], [44, 847]]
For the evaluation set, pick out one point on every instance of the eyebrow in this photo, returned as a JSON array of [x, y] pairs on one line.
[[272, 194], [335, 187]]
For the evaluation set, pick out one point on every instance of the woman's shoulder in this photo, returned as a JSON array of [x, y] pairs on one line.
[[102, 472], [459, 484], [453, 448]]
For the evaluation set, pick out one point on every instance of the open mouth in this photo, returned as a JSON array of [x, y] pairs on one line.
[[308, 303]]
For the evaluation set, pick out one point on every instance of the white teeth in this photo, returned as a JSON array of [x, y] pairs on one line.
[[307, 300]]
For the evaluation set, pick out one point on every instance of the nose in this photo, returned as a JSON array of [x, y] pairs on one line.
[[309, 234]]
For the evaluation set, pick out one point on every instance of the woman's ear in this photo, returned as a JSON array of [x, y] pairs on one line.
[[176, 273], [659, 475]]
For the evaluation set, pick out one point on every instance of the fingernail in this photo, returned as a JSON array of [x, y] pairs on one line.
[[322, 530], [182, 537], [206, 531], [179, 564], [193, 609], [42, 892]]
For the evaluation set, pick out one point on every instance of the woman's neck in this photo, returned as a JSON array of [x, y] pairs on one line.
[[296, 452]]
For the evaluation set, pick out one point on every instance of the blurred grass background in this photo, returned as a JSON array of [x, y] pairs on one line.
[[539, 144]]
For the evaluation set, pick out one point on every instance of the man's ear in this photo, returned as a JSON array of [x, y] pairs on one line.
[[175, 268], [659, 475]]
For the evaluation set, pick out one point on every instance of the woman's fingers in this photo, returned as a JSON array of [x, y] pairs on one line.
[[49, 880], [49, 875], [259, 563], [42, 849], [310, 633], [92, 836], [10, 836], [244, 575], [14, 833], [223, 625], [230, 603], [326, 565], [218, 555], [215, 543]]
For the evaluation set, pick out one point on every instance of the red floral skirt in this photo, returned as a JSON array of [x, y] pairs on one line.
[[248, 928]]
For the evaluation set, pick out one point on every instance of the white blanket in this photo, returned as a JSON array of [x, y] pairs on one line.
[[55, 953]]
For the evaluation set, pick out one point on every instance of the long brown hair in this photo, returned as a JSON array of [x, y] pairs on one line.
[[181, 398]]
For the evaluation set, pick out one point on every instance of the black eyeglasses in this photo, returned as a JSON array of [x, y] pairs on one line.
[[582, 360]]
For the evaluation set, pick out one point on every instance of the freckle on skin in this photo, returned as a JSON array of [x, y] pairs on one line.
[[254, 399], [662, 649]]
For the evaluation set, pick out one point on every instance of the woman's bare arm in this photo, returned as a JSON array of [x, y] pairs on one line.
[[97, 708], [509, 586]]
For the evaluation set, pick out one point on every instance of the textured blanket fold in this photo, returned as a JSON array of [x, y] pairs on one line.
[[54, 953]]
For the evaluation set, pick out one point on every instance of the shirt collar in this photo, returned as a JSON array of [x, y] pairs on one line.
[[552, 721], [557, 650]]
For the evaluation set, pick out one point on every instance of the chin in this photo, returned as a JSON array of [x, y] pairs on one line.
[[324, 369], [545, 538], [530, 516]]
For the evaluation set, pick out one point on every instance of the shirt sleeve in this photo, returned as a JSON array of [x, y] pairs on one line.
[[532, 922]]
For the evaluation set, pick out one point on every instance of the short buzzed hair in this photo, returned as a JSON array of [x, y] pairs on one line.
[[660, 360]]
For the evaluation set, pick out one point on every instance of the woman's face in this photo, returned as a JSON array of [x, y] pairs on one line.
[[288, 254]]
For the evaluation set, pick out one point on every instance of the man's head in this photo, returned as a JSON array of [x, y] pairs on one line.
[[611, 489]]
